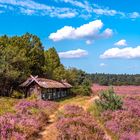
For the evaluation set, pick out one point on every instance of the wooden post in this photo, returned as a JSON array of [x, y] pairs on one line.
[[59, 96]]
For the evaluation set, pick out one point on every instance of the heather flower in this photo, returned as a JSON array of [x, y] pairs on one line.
[[124, 123], [130, 136], [77, 124], [27, 120]]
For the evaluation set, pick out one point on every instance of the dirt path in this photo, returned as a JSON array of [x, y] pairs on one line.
[[108, 137], [50, 132]]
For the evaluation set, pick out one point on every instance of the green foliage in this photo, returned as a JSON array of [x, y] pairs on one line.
[[17, 94], [59, 73], [52, 62], [115, 79], [6, 105], [21, 56], [108, 100], [81, 90], [93, 109], [33, 97], [80, 80], [75, 76]]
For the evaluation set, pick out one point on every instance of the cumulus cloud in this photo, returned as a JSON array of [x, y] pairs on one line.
[[134, 15], [102, 64], [73, 54], [121, 43], [88, 31], [127, 53], [107, 33]]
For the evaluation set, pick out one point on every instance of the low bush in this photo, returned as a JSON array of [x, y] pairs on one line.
[[17, 94], [7, 105], [108, 100], [82, 90]]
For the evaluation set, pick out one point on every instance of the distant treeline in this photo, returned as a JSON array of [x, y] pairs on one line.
[[22, 56], [115, 79]]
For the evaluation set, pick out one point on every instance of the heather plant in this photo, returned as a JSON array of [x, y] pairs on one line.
[[77, 124], [122, 90], [124, 123], [73, 111], [48, 107], [130, 136], [28, 118], [108, 100], [132, 104], [26, 106]]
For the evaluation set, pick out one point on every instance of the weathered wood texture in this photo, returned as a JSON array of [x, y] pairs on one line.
[[45, 88]]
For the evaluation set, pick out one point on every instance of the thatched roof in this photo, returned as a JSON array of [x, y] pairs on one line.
[[45, 83]]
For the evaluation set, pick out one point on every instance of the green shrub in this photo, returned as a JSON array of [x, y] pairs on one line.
[[82, 90], [17, 94], [108, 100], [6, 105], [33, 97]]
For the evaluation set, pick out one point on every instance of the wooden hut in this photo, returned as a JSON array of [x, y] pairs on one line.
[[45, 88]]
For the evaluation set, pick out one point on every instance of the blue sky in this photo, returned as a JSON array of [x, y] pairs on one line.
[[93, 35]]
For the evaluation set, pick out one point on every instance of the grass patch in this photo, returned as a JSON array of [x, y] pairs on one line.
[[93, 110], [78, 100], [7, 105]]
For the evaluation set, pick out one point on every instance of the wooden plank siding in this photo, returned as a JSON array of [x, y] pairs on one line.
[[52, 94], [45, 89]]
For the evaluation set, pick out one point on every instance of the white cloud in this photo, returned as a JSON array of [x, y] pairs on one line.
[[134, 15], [92, 8], [88, 31], [121, 43], [88, 42], [107, 33], [84, 5], [105, 12], [127, 53], [27, 11], [30, 7], [73, 54], [68, 9], [102, 65], [26, 3], [66, 15]]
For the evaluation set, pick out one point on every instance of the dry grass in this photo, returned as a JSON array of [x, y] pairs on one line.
[[81, 101]]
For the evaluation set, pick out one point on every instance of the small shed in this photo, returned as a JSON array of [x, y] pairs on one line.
[[46, 89]]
